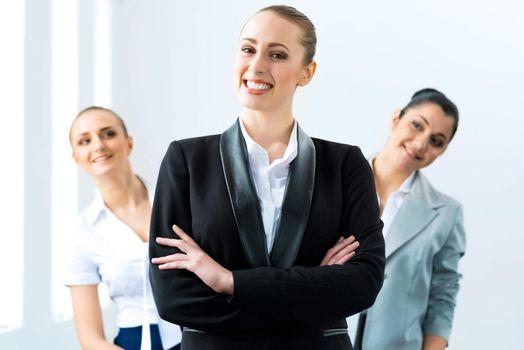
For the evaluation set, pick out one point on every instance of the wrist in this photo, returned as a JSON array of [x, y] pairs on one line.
[[227, 283]]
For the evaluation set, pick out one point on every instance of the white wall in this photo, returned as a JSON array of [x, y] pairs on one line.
[[172, 78]]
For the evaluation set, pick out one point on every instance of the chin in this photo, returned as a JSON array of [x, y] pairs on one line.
[[248, 103]]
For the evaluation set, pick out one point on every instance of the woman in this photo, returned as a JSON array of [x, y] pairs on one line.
[[110, 242], [423, 229], [257, 260]]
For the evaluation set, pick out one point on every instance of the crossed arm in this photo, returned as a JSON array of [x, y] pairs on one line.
[[220, 279]]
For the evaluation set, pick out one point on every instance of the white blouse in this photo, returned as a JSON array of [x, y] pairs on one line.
[[105, 249], [270, 180]]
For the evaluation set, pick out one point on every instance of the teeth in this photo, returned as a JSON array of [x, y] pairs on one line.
[[100, 159], [257, 86]]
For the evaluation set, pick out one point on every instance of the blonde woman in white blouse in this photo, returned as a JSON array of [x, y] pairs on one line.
[[109, 243]]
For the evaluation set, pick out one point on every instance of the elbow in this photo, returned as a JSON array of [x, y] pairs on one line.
[[372, 287], [171, 311]]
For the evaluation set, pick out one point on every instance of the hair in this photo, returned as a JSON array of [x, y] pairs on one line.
[[309, 36], [102, 109], [429, 95]]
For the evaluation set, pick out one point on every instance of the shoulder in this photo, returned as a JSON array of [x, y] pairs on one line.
[[336, 149], [194, 145], [447, 201], [199, 142]]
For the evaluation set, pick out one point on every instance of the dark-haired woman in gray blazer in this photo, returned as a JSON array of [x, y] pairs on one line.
[[423, 230], [258, 210]]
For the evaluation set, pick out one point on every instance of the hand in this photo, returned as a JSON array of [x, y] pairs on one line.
[[341, 252], [434, 342], [194, 259]]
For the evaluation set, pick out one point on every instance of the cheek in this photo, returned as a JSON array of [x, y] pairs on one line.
[[432, 155], [287, 78], [239, 67]]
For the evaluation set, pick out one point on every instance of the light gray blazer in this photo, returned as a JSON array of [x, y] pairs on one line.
[[423, 247]]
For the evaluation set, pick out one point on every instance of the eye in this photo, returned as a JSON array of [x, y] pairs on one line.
[[107, 134], [83, 141], [248, 50], [279, 56], [417, 125], [437, 142]]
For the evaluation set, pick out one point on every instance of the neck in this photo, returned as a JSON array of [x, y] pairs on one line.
[[121, 190], [268, 129], [388, 178]]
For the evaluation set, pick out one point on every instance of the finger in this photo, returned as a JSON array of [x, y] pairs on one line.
[[170, 242], [183, 236], [175, 243], [175, 265], [333, 250], [350, 239], [344, 259], [345, 251], [342, 243], [170, 258]]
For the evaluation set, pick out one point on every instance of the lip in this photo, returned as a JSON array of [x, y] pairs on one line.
[[102, 158], [411, 154], [256, 86]]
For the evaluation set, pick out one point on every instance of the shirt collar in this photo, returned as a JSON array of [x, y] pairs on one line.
[[405, 187], [254, 148], [98, 207]]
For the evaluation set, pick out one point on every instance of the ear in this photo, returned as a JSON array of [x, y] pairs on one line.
[[307, 74], [130, 144], [395, 118]]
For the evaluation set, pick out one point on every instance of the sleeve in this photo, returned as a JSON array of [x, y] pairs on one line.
[[79, 267], [324, 293], [445, 281], [181, 297]]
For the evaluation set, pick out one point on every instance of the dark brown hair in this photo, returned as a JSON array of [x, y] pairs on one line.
[[429, 95]]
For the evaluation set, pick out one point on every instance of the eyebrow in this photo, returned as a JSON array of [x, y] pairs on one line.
[[269, 45], [426, 121]]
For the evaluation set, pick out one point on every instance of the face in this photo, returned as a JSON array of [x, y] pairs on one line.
[[99, 143], [419, 137], [270, 63]]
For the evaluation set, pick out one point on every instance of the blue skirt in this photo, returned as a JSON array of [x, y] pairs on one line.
[[130, 338]]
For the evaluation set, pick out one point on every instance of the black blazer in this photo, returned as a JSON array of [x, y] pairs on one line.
[[282, 300]]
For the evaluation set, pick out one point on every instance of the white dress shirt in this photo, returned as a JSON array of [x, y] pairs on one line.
[[270, 180], [394, 202], [105, 249]]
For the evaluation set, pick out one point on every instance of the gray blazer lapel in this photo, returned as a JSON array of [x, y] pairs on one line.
[[296, 205], [243, 196], [417, 211]]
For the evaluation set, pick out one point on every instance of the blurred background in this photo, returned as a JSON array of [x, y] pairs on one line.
[[166, 67]]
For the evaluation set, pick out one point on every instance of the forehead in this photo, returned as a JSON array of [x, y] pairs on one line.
[[92, 121], [269, 27], [438, 121]]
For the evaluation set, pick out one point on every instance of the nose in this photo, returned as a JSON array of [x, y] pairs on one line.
[[258, 64], [98, 144], [421, 144]]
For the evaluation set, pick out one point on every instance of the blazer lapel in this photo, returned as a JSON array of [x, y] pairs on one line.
[[417, 211], [296, 204], [243, 196]]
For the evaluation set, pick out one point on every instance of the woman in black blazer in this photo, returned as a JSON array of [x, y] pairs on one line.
[[242, 273]]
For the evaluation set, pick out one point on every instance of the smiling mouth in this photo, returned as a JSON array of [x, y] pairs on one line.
[[257, 87], [103, 158], [411, 154]]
